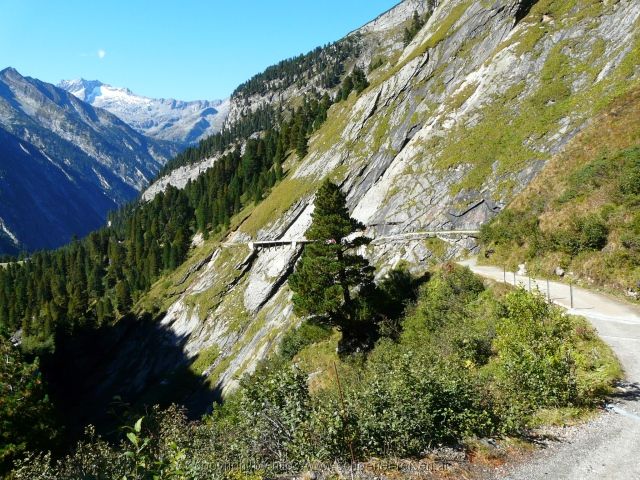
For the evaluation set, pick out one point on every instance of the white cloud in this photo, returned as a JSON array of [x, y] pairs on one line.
[[101, 54]]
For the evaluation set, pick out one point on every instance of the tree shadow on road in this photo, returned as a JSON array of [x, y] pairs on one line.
[[626, 391]]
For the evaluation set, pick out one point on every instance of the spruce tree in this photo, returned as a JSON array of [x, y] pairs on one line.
[[416, 25], [301, 144], [360, 81], [330, 282], [347, 87]]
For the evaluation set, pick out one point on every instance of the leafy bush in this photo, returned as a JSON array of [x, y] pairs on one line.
[[630, 174], [393, 294], [306, 334], [513, 228], [276, 409], [586, 233], [154, 447], [631, 240], [534, 364], [26, 414], [631, 236], [593, 233], [443, 300], [470, 362], [588, 178], [417, 401]]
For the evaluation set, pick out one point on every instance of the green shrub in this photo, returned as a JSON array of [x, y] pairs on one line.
[[631, 240], [306, 334], [630, 173], [591, 176], [393, 294], [404, 407], [585, 233], [470, 362], [276, 408], [375, 63], [26, 414], [534, 364], [442, 300], [154, 447], [511, 230], [593, 233]]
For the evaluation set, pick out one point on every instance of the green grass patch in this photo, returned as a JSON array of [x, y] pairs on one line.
[[438, 247], [459, 99], [279, 201], [206, 357]]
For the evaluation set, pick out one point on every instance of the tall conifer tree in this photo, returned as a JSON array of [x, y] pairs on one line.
[[331, 281]]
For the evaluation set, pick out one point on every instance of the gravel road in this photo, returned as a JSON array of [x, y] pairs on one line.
[[607, 447]]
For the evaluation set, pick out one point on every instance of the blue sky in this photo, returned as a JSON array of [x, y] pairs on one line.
[[185, 49]]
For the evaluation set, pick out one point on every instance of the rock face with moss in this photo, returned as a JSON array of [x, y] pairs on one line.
[[450, 129]]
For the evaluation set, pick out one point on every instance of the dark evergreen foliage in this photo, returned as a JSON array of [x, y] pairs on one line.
[[416, 25], [264, 118], [331, 282], [326, 63], [26, 415], [357, 81]]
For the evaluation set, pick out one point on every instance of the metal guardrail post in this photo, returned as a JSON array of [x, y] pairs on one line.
[[548, 292], [571, 291]]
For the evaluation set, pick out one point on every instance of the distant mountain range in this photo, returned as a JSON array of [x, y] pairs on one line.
[[64, 164], [162, 119]]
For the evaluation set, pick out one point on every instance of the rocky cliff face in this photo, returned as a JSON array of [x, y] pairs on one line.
[[100, 160], [163, 119], [450, 129]]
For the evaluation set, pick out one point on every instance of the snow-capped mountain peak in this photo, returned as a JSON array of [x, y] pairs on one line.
[[85, 90], [164, 119]]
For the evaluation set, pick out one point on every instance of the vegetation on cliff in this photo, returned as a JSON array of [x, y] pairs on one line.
[[26, 414], [468, 361], [96, 280], [581, 214], [462, 361]]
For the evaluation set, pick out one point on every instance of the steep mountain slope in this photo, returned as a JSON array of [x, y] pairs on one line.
[[162, 119], [42, 202], [448, 132], [104, 160], [320, 71], [450, 129], [380, 40]]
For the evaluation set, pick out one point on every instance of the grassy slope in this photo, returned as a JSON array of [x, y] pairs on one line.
[[584, 180]]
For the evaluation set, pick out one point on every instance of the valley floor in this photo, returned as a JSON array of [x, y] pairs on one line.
[[606, 447]]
